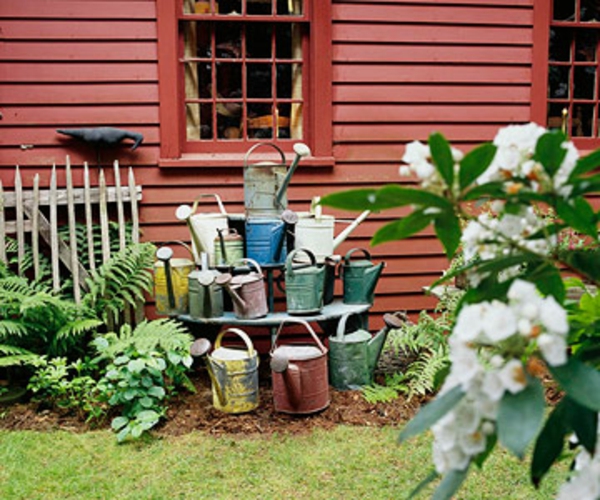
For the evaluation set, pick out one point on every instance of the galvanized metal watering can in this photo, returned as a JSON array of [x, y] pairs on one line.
[[203, 226], [304, 284], [353, 356], [247, 291], [205, 296], [233, 372], [360, 277], [266, 182], [171, 282], [229, 247], [299, 374], [266, 237]]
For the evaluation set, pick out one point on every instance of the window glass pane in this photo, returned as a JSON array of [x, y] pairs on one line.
[[229, 120], [564, 10], [584, 82], [555, 115], [259, 41], [229, 6], [260, 121], [558, 82], [583, 119], [590, 11], [259, 7], [560, 44], [283, 124], [201, 7], [586, 44], [289, 7], [284, 81], [199, 121], [229, 80], [228, 41], [284, 41], [259, 81]]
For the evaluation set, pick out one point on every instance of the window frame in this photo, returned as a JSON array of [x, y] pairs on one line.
[[317, 125], [542, 14]]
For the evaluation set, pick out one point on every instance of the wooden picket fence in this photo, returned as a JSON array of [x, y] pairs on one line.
[[38, 212]]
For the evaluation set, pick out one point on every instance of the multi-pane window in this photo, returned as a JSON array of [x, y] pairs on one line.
[[243, 67], [573, 67]]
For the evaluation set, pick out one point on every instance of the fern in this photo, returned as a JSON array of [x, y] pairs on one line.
[[13, 356], [394, 385]]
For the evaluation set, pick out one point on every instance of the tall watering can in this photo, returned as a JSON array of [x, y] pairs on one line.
[[359, 277], [353, 356], [265, 183], [304, 284], [203, 226], [266, 237], [205, 296], [171, 282], [316, 231], [233, 373], [299, 374], [247, 291]]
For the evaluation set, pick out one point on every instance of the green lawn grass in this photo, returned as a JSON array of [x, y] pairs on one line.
[[344, 463]]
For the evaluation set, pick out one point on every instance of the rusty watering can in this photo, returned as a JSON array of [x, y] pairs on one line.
[[353, 356], [299, 373], [205, 296], [171, 282], [315, 231], [304, 284], [360, 277], [233, 372], [229, 247], [247, 291], [266, 182], [203, 226]]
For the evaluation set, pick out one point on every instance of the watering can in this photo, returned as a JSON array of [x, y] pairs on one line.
[[299, 374], [233, 372], [266, 237], [315, 231], [360, 277], [205, 296], [353, 356], [265, 183], [203, 226], [228, 246], [247, 291], [171, 282], [304, 284]]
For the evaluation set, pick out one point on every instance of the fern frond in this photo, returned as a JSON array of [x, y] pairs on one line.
[[78, 328], [13, 356], [11, 328]]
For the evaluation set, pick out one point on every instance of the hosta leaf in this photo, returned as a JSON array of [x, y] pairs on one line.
[[475, 163], [441, 153], [119, 422]]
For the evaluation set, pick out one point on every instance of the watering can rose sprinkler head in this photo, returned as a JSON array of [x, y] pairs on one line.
[[164, 254], [183, 213]]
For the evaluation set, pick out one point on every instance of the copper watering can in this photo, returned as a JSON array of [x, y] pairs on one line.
[[205, 295], [299, 373], [304, 284], [171, 281], [266, 182], [247, 291], [353, 356], [233, 372], [360, 277]]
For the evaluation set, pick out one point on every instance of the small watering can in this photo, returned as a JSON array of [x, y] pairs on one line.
[[203, 226], [233, 373], [266, 237], [360, 277], [265, 183], [205, 296], [316, 231], [299, 374], [353, 356], [171, 282], [229, 247], [304, 284], [247, 292]]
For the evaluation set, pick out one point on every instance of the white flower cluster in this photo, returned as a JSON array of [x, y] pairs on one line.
[[528, 317], [584, 484]]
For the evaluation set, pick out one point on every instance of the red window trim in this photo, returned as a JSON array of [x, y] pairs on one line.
[[318, 116], [542, 13]]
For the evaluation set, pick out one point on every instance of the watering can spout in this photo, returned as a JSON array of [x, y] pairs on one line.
[[340, 238], [224, 280], [375, 346], [301, 151]]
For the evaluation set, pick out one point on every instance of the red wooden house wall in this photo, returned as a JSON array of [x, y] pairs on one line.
[[401, 69]]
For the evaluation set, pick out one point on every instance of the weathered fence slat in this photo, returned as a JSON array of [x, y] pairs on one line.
[[20, 219], [135, 219], [35, 224], [2, 226], [104, 218], [54, 232], [89, 223], [120, 209], [72, 233]]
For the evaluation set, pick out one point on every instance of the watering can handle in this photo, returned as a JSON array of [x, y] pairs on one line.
[[350, 252], [289, 268], [239, 333], [247, 260], [299, 322], [341, 328], [217, 197], [256, 146], [184, 245]]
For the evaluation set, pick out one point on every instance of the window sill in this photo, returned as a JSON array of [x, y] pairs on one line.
[[237, 160]]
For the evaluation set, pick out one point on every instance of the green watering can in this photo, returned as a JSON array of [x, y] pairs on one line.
[[353, 356], [359, 277], [304, 284]]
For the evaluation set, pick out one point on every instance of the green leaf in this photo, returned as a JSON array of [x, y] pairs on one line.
[[585, 262], [148, 416], [578, 214], [549, 151], [121, 360], [585, 164], [402, 228], [123, 433], [475, 163], [580, 382], [119, 422], [430, 413], [520, 417], [447, 229], [548, 279], [432, 476], [441, 154], [450, 484], [136, 365], [493, 189], [147, 402], [157, 392], [490, 444], [584, 422]]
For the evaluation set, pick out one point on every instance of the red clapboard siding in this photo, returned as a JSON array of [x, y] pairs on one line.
[[478, 3], [413, 131], [88, 51], [52, 9], [78, 30], [79, 115], [60, 72]]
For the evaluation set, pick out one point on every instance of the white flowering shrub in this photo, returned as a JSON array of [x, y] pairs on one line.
[[515, 323]]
